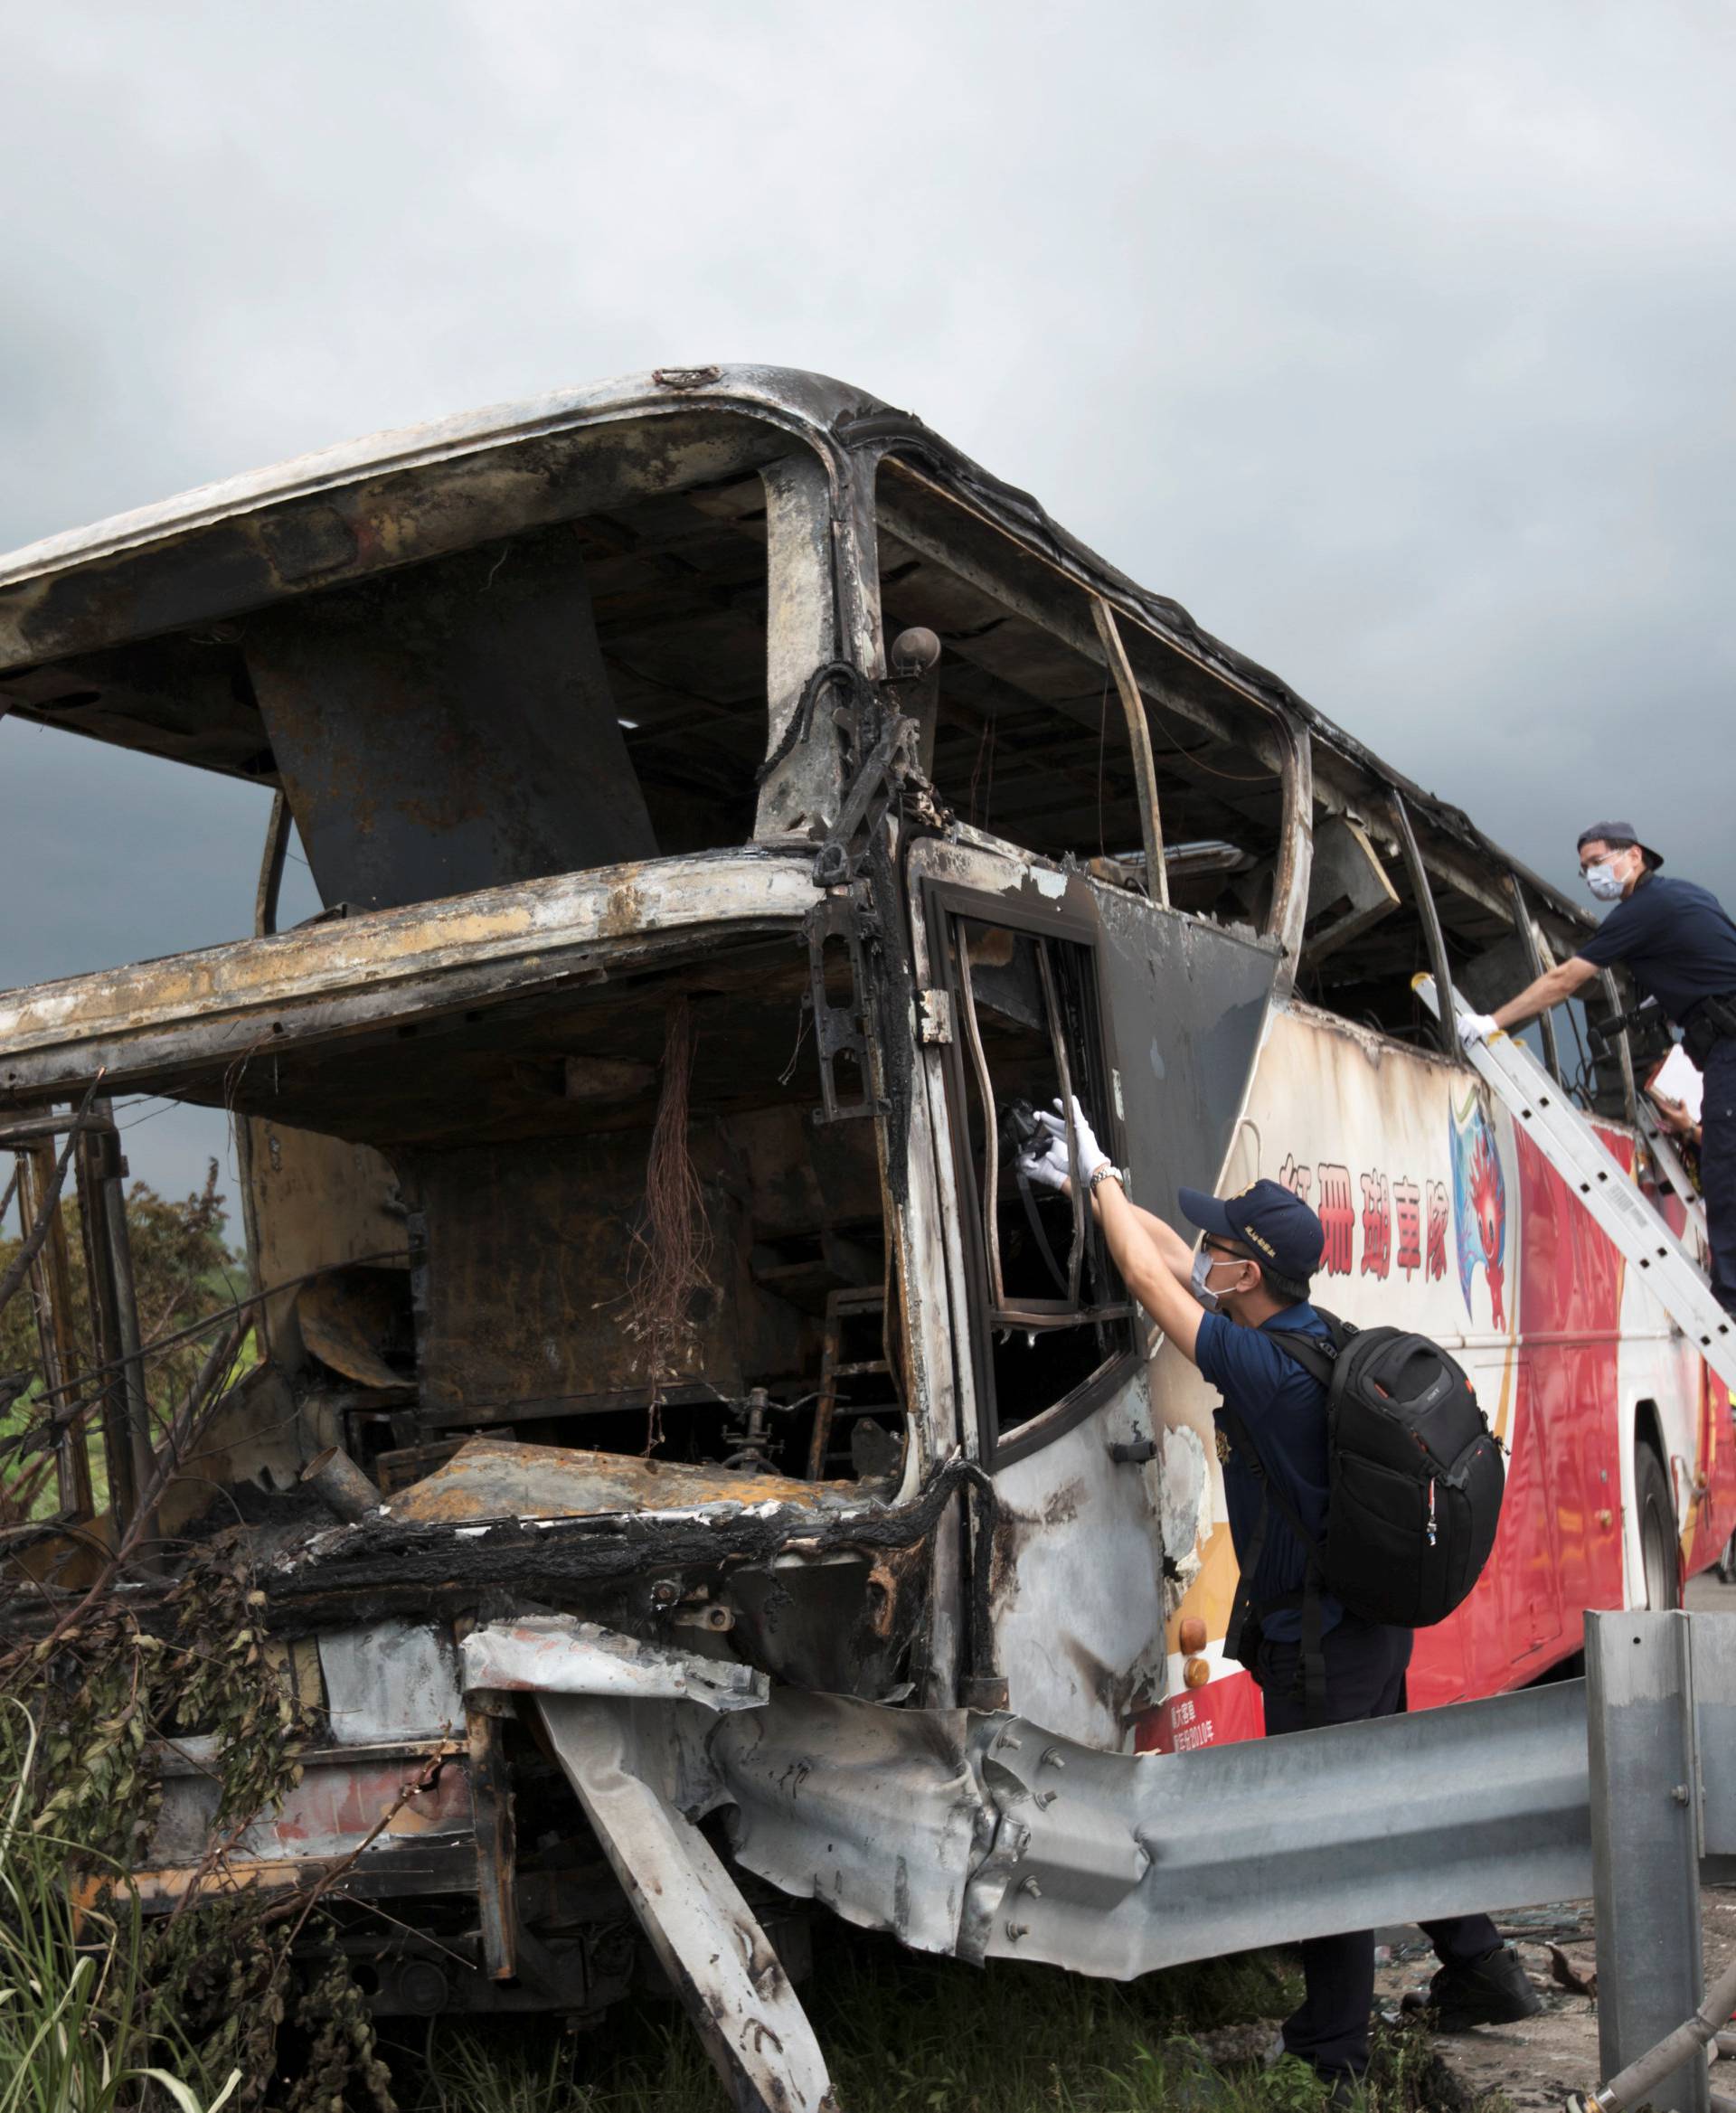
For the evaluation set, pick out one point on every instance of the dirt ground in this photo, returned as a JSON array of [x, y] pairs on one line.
[[1538, 2063]]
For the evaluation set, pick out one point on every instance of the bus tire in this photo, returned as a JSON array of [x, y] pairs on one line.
[[1660, 1562]]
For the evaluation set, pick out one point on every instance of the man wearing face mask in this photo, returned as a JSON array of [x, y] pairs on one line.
[[1222, 1308], [1679, 946]]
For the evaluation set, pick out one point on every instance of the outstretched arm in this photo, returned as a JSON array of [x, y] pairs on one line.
[[1548, 989], [1154, 1261], [1172, 1250], [1145, 1252]]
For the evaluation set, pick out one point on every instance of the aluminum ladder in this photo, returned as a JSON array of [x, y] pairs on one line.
[[1573, 1148], [1669, 1162]]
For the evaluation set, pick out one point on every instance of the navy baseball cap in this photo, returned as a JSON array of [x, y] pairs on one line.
[[1617, 834], [1268, 1217]]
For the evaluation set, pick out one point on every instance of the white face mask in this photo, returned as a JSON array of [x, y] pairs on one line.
[[1605, 884], [1197, 1283]]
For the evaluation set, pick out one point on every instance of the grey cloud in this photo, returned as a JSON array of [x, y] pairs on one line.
[[1393, 342]]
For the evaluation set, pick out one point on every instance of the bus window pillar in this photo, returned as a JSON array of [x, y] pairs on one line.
[[1447, 1028]]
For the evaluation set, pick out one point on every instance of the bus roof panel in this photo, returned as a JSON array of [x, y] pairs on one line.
[[69, 603]]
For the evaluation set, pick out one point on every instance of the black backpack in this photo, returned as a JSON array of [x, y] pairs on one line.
[[1414, 1481]]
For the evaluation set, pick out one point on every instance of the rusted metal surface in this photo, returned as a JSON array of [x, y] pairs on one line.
[[346, 1318], [498, 1478], [497, 1836], [341, 1483], [552, 1653], [272, 855], [546, 1228], [311, 1204], [51, 1294], [449, 729], [325, 1819], [102, 1224], [244, 1000], [33, 1129], [842, 1309]]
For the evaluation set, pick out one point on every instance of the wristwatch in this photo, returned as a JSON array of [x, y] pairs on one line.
[[1106, 1172]]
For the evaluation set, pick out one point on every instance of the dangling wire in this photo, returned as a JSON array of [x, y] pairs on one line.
[[985, 749], [672, 1246]]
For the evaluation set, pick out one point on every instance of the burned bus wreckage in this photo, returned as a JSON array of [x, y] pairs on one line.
[[729, 804]]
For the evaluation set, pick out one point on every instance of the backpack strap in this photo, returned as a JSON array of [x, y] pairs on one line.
[[1318, 1359], [1243, 1604], [1268, 1491], [1311, 1671]]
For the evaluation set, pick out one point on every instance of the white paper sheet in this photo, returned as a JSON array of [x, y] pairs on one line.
[[1676, 1079]]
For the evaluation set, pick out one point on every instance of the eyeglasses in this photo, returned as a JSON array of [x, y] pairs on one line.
[[1234, 1254]]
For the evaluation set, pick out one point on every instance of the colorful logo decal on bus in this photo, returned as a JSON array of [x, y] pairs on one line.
[[1479, 1202]]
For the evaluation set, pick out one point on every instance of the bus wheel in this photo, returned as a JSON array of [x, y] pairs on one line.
[[1660, 1567]]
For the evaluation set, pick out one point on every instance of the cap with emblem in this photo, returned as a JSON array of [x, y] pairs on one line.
[[1618, 836], [1270, 1219]]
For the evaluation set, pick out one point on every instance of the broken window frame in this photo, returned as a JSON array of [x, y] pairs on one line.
[[97, 1417], [1142, 664], [1446, 1029], [942, 903], [1436, 867], [115, 1391], [1528, 938], [652, 453]]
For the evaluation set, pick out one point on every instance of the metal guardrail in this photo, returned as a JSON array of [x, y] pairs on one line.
[[984, 1835], [1661, 1722], [1117, 1865], [1623, 1785]]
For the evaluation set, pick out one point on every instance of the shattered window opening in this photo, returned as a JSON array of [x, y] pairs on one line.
[[455, 1218], [1052, 1322], [519, 1312], [1365, 941], [1030, 739]]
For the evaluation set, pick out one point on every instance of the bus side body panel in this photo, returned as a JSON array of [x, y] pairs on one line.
[[1439, 1217]]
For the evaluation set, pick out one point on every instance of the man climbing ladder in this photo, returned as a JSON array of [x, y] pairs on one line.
[[1679, 945]]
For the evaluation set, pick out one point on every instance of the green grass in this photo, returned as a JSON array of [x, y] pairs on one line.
[[75, 2006], [901, 2034], [904, 2034]]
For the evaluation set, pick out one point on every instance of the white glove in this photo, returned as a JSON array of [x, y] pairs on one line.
[[1044, 1165], [1475, 1027], [1091, 1155]]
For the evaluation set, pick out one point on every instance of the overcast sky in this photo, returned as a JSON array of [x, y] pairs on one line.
[[1396, 341]]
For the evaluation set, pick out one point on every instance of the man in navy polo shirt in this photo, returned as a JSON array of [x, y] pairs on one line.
[[1221, 1308], [1679, 946]]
